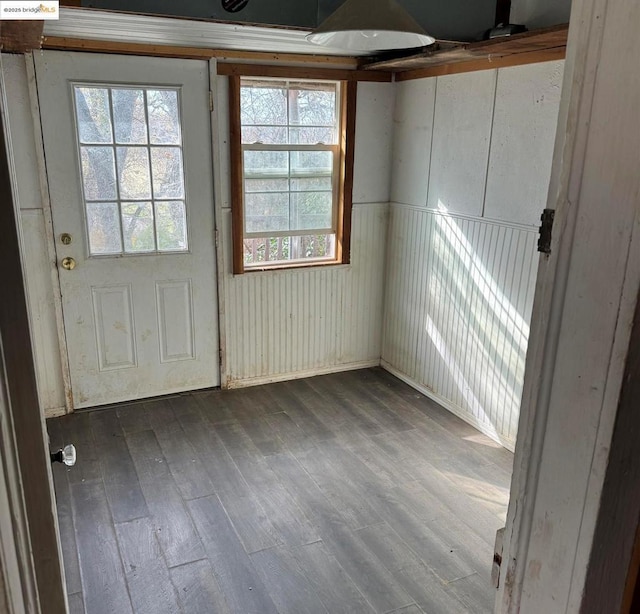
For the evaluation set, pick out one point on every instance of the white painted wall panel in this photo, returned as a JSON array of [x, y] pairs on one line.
[[374, 136], [524, 129], [458, 304], [461, 273], [283, 324], [461, 133], [44, 329], [37, 265], [21, 132], [413, 125]]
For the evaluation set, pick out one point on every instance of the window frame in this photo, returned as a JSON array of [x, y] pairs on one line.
[[344, 191]]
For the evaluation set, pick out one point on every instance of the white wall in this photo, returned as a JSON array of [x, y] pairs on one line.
[[540, 13], [471, 166], [39, 266], [284, 324]]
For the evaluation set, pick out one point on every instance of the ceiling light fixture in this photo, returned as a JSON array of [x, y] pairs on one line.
[[370, 25]]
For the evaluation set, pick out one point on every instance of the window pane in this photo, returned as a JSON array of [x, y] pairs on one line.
[[263, 105], [128, 116], [92, 108], [266, 185], [103, 224], [269, 135], [171, 226], [312, 105], [137, 227], [166, 163], [98, 173], [312, 136], [311, 163], [312, 210], [266, 212], [266, 163], [267, 249], [164, 117], [322, 183], [273, 250], [133, 172], [317, 246]]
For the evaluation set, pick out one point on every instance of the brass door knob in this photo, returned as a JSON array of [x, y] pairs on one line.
[[68, 263]]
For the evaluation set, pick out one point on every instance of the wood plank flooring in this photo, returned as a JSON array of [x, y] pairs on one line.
[[346, 493]]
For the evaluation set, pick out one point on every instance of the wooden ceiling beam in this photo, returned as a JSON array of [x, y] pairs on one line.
[[506, 61], [306, 72], [19, 36], [492, 50], [198, 53]]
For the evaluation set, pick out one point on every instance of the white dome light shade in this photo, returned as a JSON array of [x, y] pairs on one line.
[[370, 25]]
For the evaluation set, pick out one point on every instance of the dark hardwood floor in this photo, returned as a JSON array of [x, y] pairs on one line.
[[344, 493]]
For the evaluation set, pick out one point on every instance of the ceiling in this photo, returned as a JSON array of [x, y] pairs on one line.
[[464, 21], [461, 20]]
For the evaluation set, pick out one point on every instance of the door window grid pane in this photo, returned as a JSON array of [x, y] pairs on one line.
[[302, 122], [131, 157]]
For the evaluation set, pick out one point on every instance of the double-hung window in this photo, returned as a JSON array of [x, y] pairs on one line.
[[292, 183]]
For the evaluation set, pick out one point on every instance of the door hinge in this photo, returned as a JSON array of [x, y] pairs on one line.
[[220, 356], [544, 241], [210, 101]]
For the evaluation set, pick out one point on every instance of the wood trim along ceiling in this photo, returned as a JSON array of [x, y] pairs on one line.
[[517, 59], [445, 59], [197, 53], [293, 72]]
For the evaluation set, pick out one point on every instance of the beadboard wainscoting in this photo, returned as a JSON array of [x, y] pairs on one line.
[[458, 304], [294, 323]]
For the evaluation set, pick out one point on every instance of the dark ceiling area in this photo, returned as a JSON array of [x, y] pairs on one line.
[[459, 20]]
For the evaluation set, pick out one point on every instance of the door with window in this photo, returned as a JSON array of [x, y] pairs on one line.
[[128, 158]]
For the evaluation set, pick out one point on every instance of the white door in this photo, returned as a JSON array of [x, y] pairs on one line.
[[128, 158]]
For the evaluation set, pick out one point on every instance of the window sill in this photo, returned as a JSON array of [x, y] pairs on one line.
[[295, 268]]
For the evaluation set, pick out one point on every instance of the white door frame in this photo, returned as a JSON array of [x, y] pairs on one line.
[[30, 559], [217, 143], [50, 236], [580, 331]]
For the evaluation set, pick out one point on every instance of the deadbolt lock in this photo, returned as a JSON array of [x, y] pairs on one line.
[[68, 263], [65, 238]]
